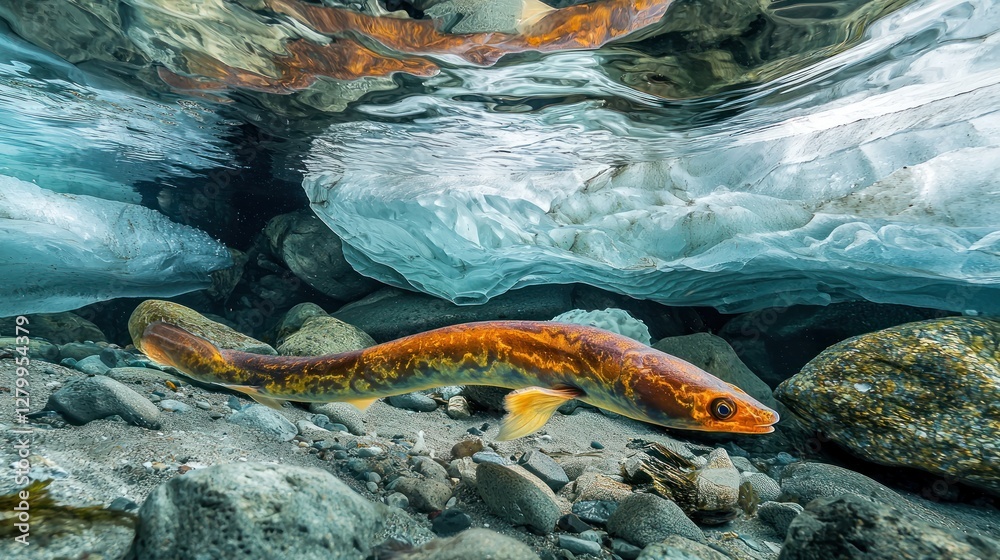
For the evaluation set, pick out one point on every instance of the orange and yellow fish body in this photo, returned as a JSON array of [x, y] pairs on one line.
[[547, 363]]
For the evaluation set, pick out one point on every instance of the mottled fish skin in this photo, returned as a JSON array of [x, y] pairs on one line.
[[924, 395], [598, 367]]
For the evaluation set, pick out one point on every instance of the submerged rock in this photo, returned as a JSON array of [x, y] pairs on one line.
[[518, 496], [324, 335], [57, 328], [920, 395], [256, 511], [266, 420], [471, 544], [714, 355], [390, 313], [644, 519], [852, 527], [315, 254], [190, 320], [85, 399]]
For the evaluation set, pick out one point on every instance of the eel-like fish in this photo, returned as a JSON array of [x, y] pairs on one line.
[[547, 363]]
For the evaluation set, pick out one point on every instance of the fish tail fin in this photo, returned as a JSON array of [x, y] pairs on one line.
[[530, 408]]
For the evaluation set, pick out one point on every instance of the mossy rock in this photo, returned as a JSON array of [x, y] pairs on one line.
[[923, 395], [190, 320]]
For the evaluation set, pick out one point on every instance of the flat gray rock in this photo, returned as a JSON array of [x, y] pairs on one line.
[[84, 399], [418, 402], [545, 468], [256, 511], [423, 494]]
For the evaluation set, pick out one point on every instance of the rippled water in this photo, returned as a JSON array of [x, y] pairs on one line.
[[703, 62], [663, 149]]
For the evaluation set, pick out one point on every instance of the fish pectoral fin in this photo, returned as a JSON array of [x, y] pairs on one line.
[[255, 394], [362, 404], [530, 408]]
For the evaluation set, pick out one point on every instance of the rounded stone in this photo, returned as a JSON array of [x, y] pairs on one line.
[[518, 496], [324, 335], [84, 399], [423, 494], [644, 519]]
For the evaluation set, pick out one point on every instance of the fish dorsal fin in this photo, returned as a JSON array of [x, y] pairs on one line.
[[255, 394], [362, 404], [530, 408]]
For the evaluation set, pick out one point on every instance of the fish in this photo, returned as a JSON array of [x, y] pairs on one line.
[[546, 363]]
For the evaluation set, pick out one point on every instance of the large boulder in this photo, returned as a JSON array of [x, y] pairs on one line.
[[920, 395], [851, 527], [257, 511], [316, 255]]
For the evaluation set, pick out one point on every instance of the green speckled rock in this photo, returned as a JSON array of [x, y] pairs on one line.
[[923, 395]]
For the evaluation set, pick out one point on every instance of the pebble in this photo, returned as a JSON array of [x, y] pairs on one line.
[[173, 406], [340, 413], [123, 504], [355, 465], [596, 445], [778, 515], [266, 420], [513, 493], [625, 549], [677, 547], [418, 402], [372, 487], [204, 405], [579, 546], [545, 468], [397, 499], [474, 544], [430, 468], [368, 452], [466, 448], [463, 469], [113, 357], [644, 519], [766, 488], [458, 408], [451, 521], [68, 362], [572, 524], [92, 365], [214, 415], [78, 350], [591, 486], [489, 456], [595, 511], [424, 495], [742, 464], [84, 399], [718, 483], [373, 476]]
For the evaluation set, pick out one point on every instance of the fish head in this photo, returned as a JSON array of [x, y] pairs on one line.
[[671, 392], [173, 346]]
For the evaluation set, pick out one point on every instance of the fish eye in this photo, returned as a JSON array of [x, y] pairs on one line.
[[723, 408]]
